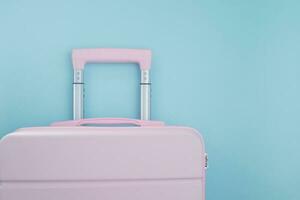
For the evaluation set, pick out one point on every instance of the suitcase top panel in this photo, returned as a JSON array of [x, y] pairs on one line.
[[101, 153]]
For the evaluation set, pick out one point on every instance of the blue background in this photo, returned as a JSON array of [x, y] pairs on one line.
[[228, 68]]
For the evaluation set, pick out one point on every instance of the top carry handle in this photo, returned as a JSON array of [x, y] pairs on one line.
[[102, 55]]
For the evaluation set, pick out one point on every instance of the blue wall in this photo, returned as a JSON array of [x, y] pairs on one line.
[[228, 68]]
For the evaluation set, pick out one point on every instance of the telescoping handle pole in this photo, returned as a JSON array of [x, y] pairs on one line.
[[102, 55]]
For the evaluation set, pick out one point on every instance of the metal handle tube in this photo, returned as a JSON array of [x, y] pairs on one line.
[[78, 95], [145, 95]]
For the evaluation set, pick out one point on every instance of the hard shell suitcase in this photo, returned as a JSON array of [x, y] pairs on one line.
[[114, 161]]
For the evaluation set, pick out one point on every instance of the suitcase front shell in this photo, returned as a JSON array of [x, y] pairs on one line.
[[70, 163]]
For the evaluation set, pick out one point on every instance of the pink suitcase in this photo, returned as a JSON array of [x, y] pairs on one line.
[[113, 161]]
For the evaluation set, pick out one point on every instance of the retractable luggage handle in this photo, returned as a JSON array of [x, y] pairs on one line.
[[81, 57]]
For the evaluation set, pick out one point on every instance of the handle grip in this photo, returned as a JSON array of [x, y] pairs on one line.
[[108, 121], [106, 55]]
